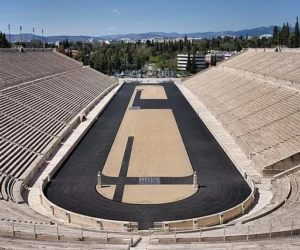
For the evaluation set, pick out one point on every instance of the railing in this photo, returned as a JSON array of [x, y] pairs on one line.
[[228, 233], [113, 235], [58, 232]]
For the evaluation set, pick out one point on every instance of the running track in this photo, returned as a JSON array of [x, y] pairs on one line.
[[73, 187]]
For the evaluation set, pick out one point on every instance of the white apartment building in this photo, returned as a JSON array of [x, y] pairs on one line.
[[182, 60], [220, 55]]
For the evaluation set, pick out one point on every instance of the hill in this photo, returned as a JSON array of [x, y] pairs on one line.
[[139, 36]]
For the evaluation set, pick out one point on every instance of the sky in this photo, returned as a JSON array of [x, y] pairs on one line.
[[106, 17]]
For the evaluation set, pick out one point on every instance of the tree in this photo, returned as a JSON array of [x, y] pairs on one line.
[[148, 43], [285, 34], [213, 60], [275, 35], [188, 64], [238, 45], [69, 53], [185, 39], [3, 41], [118, 57], [193, 68], [297, 35], [61, 49], [281, 39], [67, 44]]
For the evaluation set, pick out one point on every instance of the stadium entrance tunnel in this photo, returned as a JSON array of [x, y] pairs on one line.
[[162, 143]]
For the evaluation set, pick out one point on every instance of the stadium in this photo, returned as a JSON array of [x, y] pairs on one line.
[[208, 162]]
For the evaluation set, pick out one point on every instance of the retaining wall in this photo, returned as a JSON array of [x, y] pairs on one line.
[[214, 219]]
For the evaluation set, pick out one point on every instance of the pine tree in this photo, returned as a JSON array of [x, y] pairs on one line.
[[275, 35], [281, 39], [185, 39], [188, 64], [213, 60], [148, 43], [193, 68], [180, 46], [3, 41], [285, 34], [67, 44], [297, 35]]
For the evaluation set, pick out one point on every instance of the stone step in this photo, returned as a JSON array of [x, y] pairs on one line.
[[143, 244]]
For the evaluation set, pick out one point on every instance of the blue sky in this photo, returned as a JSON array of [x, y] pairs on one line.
[[103, 17]]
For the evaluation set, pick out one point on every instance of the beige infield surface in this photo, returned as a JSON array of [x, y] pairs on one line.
[[107, 191], [153, 92], [157, 151], [156, 194]]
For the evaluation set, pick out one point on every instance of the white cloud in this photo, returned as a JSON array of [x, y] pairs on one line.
[[116, 11], [111, 28]]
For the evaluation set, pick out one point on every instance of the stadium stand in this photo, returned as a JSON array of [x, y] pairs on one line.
[[22, 213], [291, 243], [43, 96], [278, 65], [41, 110], [18, 67], [255, 105], [48, 233], [20, 244], [281, 191]]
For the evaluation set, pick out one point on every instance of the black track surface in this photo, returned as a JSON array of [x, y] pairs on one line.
[[118, 196], [109, 180], [73, 187]]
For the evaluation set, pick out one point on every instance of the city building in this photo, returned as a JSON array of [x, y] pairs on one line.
[[182, 60], [219, 55]]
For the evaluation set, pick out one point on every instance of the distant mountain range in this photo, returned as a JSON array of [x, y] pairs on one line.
[[139, 36]]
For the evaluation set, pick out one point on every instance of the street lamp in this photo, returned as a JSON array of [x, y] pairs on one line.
[[9, 32], [21, 34], [43, 37], [33, 37]]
